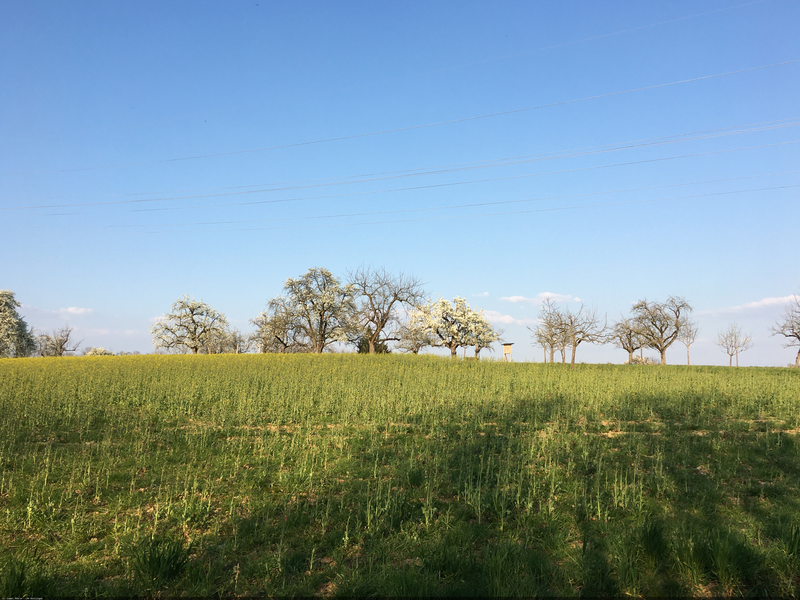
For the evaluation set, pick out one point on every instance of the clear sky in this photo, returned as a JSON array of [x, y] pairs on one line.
[[501, 151]]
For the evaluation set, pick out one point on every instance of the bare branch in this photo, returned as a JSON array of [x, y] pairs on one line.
[[687, 335], [789, 328], [733, 342], [57, 343], [382, 295], [659, 323], [625, 335], [579, 327], [561, 329]]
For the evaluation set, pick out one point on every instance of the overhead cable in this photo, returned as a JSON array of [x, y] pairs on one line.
[[449, 206], [517, 212], [436, 171], [449, 184], [432, 124], [488, 162]]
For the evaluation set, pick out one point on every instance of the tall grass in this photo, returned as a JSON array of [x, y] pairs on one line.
[[396, 475]]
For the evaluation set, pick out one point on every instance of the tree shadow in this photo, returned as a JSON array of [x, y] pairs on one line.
[[494, 507]]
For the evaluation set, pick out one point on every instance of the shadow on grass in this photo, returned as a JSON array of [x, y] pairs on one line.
[[451, 521], [492, 507]]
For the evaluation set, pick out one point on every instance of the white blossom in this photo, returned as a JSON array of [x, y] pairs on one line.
[[16, 338], [453, 325]]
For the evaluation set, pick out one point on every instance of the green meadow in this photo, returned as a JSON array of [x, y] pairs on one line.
[[342, 475]]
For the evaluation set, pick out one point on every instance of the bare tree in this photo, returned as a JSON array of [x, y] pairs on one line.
[[57, 343], [625, 335], [191, 326], [789, 328], [382, 295], [659, 323], [561, 329], [579, 327], [688, 335], [541, 339], [733, 342], [549, 334]]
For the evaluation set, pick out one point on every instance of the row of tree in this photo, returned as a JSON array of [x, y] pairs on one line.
[[652, 325], [17, 339], [369, 311], [374, 308]]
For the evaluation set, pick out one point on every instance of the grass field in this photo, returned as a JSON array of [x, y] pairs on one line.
[[395, 475]]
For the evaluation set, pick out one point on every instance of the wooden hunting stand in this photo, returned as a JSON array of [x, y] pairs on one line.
[[507, 351]]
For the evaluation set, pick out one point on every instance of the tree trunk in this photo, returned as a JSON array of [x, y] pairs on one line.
[[664, 357], [630, 357], [737, 359], [477, 350], [552, 354], [688, 362], [371, 346], [563, 355], [454, 351], [797, 360], [572, 362], [730, 362]]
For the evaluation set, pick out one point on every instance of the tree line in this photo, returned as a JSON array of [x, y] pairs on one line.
[[652, 325], [376, 311], [18, 340], [372, 309]]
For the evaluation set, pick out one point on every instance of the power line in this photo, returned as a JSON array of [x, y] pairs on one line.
[[452, 206], [440, 185], [517, 212], [485, 163], [433, 124], [511, 161]]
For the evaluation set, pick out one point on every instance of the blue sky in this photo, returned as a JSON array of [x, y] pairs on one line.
[[150, 150]]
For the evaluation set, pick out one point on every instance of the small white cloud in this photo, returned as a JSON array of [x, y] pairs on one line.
[[541, 297], [748, 306], [497, 317], [74, 310], [60, 313], [516, 299], [481, 295]]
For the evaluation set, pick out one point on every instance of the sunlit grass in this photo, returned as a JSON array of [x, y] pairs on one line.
[[395, 475]]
